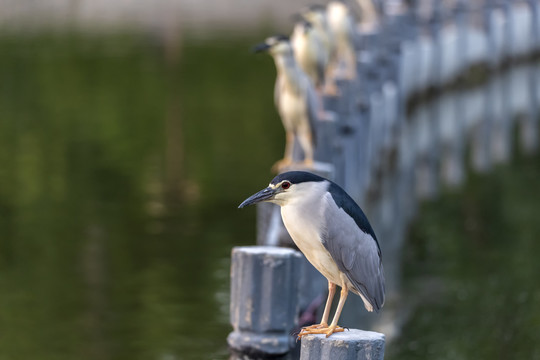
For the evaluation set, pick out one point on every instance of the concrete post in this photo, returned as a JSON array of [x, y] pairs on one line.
[[480, 141], [348, 345], [529, 127], [264, 299]]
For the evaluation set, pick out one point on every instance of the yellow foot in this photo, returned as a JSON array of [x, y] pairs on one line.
[[279, 165], [318, 329], [314, 326], [332, 90], [308, 163]]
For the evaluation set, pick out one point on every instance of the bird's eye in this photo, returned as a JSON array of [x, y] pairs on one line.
[[286, 185]]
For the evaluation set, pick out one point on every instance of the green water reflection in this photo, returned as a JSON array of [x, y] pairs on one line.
[[471, 267], [121, 172], [122, 163]]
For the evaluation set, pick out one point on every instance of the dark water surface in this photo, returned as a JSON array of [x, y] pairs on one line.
[[121, 174], [122, 164], [472, 270]]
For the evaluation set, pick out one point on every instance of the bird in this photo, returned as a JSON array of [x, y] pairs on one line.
[[369, 14], [309, 51], [341, 24], [295, 99], [334, 234], [317, 16], [312, 57]]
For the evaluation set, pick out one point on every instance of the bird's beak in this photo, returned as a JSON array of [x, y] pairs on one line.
[[263, 195], [260, 47]]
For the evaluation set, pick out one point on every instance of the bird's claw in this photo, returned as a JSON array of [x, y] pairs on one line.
[[331, 89], [303, 330], [308, 163], [314, 326], [280, 165], [284, 164], [320, 329]]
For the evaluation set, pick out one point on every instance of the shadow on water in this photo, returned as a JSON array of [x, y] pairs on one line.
[[121, 173]]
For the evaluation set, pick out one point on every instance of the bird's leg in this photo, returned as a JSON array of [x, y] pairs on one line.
[[351, 64], [326, 313], [306, 141], [329, 330], [330, 87], [320, 102], [334, 326], [322, 114], [288, 158]]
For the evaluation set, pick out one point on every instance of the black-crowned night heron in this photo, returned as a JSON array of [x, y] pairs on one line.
[[369, 16], [310, 52], [295, 99], [334, 235], [317, 16], [342, 26]]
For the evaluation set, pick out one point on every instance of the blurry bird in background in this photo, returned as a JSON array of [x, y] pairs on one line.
[[317, 16], [312, 57], [309, 51], [341, 24], [295, 99], [323, 41], [369, 14]]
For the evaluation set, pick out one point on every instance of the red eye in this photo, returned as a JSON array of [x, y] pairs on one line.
[[286, 185]]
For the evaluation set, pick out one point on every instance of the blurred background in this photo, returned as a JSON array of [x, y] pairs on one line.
[[129, 133]]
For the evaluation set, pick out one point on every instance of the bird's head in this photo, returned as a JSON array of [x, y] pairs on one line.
[[288, 187], [275, 45], [315, 14], [302, 27]]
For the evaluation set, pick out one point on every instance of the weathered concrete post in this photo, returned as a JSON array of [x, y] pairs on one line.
[[348, 345], [264, 299], [528, 128]]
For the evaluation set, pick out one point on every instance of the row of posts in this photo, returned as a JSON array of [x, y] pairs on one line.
[[431, 85], [265, 303]]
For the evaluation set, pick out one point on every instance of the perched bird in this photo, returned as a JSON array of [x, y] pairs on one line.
[[295, 99], [369, 14], [309, 51], [317, 16], [334, 235], [342, 26]]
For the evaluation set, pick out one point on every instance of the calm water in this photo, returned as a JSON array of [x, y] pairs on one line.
[[123, 162], [121, 174], [472, 270]]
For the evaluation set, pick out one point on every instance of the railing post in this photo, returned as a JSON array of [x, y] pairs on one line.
[[264, 299], [348, 345]]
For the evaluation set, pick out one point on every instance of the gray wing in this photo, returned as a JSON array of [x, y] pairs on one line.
[[356, 254]]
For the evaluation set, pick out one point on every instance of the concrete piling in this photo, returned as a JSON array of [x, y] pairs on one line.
[[351, 344], [264, 299]]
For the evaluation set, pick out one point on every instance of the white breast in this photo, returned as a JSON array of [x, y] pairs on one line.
[[292, 109], [303, 220]]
